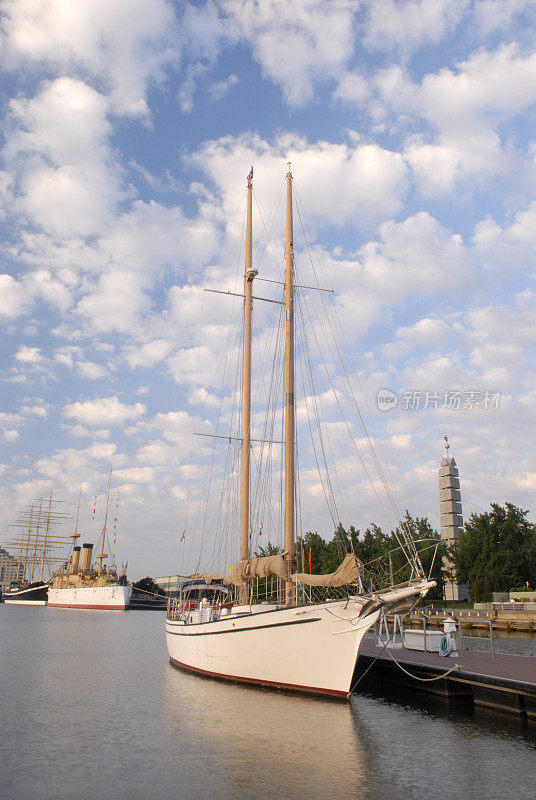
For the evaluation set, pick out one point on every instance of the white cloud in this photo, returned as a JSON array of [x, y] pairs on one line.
[[353, 88], [408, 24], [13, 297], [428, 333], [144, 475], [498, 15], [465, 107], [341, 182], [29, 355], [115, 302], [220, 88], [103, 411], [57, 144], [88, 369], [416, 255], [297, 44], [175, 426], [125, 45]]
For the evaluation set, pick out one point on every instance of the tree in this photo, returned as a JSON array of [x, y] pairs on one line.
[[148, 585], [497, 550], [431, 548]]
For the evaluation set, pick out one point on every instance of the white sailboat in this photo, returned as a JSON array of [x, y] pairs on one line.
[[308, 639]]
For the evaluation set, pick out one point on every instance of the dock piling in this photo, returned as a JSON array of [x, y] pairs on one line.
[[491, 641]]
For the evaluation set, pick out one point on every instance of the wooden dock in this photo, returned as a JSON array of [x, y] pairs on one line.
[[508, 683]]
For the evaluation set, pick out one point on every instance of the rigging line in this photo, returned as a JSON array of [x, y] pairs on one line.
[[373, 454], [186, 551], [225, 359], [271, 407], [412, 552], [337, 399], [271, 216], [323, 473], [317, 403], [356, 684]]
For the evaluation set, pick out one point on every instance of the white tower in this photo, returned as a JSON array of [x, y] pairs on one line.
[[451, 520]]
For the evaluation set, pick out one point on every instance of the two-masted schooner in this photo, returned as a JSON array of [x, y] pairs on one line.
[[307, 638]]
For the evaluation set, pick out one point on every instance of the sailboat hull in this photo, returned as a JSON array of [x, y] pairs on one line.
[[306, 649], [34, 595]]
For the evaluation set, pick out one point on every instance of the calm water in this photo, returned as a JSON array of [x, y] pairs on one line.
[[90, 707]]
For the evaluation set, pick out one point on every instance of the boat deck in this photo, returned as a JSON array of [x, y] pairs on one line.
[[508, 683]]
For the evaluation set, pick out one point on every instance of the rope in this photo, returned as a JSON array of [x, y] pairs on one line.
[[424, 680]]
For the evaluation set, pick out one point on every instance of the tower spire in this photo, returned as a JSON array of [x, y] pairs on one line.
[[450, 508]]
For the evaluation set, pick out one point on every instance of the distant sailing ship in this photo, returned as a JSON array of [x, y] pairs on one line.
[[86, 585], [306, 634], [36, 548]]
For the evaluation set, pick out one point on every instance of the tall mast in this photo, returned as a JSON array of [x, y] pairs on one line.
[[34, 556], [45, 538], [25, 562], [76, 535], [102, 555], [289, 391], [249, 275]]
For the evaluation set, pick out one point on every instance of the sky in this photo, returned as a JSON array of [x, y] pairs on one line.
[[127, 133]]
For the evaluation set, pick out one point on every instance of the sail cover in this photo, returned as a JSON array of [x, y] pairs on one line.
[[251, 568], [349, 571]]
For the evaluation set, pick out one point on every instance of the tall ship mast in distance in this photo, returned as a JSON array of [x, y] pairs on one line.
[[262, 621], [37, 547], [84, 581]]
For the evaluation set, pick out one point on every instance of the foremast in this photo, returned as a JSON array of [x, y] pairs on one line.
[[289, 394], [102, 555], [249, 275]]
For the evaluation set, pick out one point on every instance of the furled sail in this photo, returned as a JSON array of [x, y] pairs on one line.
[[349, 571], [251, 568]]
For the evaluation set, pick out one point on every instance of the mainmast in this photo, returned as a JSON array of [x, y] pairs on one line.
[[45, 538], [289, 392], [249, 274]]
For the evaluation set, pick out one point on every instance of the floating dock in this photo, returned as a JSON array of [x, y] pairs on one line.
[[508, 683]]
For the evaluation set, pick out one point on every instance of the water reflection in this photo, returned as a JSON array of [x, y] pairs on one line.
[[90, 707], [276, 744]]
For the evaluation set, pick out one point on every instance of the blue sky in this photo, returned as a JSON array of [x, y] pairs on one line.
[[127, 133]]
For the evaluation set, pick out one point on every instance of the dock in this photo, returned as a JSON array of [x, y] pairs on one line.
[[506, 684]]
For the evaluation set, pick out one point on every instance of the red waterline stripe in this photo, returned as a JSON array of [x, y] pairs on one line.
[[104, 608], [276, 684]]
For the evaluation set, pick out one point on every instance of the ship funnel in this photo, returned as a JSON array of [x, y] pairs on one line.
[[75, 560], [85, 560]]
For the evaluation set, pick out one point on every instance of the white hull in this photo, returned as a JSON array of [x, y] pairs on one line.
[[306, 648], [25, 602], [311, 649], [104, 598]]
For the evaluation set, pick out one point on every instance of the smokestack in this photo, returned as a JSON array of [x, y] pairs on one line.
[[75, 560], [85, 560]]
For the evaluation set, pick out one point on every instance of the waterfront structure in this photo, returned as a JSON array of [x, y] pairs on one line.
[[451, 521], [10, 570], [171, 584]]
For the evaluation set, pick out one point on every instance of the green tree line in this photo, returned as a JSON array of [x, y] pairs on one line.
[[372, 548], [496, 552]]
